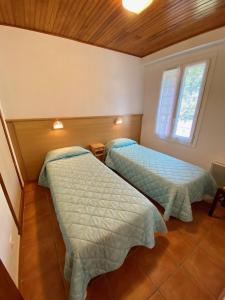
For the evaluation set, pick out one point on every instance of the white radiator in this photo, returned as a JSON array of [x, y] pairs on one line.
[[218, 172]]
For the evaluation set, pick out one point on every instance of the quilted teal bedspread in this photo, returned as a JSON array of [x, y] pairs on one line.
[[100, 215], [173, 183]]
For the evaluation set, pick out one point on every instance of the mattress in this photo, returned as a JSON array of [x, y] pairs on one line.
[[173, 183], [101, 217]]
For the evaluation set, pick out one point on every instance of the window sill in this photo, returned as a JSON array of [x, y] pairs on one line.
[[178, 142]]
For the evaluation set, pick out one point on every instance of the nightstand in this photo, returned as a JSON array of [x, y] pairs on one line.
[[98, 150]]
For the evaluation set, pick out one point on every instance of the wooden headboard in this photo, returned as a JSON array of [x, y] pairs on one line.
[[33, 138]]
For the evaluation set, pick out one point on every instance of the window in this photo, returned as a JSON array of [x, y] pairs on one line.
[[180, 100]]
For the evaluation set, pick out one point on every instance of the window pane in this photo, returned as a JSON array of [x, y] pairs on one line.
[[167, 101], [189, 100]]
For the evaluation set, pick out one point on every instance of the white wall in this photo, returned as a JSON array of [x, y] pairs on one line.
[[8, 172], [46, 76], [9, 238], [210, 143], [9, 252]]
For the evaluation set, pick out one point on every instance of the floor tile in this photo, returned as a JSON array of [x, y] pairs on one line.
[[129, 282], [99, 289], [193, 231], [200, 215], [36, 232], [182, 286], [48, 286], [157, 263], [157, 296], [37, 209], [177, 268], [219, 226], [177, 246], [31, 186], [34, 195], [219, 212], [222, 295], [173, 224], [208, 274], [38, 259], [214, 244], [60, 252]]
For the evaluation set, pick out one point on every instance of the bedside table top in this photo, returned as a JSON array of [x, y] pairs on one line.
[[97, 145]]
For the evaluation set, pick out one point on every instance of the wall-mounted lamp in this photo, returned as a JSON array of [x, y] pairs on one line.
[[57, 125], [118, 121], [136, 6]]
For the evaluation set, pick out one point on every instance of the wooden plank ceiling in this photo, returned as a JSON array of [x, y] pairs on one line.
[[107, 24]]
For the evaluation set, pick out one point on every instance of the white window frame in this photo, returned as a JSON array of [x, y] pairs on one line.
[[191, 140]]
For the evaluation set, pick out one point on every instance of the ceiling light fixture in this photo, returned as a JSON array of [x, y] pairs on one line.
[[136, 6]]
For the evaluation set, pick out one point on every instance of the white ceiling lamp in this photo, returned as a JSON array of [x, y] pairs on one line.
[[136, 6]]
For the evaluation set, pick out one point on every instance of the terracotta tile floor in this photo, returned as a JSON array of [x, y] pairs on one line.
[[187, 263]]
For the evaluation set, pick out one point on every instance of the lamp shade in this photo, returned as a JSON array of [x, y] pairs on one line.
[[118, 121], [57, 125]]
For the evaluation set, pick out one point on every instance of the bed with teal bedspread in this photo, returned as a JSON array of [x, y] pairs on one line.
[[173, 183], [101, 216]]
